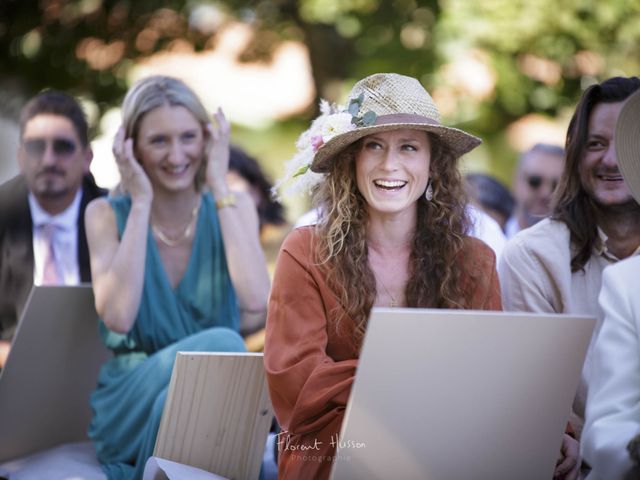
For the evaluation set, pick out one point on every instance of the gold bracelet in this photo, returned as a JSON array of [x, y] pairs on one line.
[[228, 200]]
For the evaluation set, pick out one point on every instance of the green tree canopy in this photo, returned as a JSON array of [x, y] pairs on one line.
[[537, 56]]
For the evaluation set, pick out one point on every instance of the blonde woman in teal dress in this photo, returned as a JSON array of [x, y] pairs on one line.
[[176, 264]]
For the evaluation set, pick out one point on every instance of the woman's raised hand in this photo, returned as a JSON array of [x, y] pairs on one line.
[[133, 177], [218, 161]]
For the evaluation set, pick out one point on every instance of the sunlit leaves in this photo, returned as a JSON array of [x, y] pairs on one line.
[[331, 11]]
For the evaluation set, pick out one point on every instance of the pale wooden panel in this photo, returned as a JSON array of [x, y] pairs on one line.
[[45, 385], [217, 414]]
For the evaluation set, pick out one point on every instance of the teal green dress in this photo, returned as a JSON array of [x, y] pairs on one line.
[[200, 314]]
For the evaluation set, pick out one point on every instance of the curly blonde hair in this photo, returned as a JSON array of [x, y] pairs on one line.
[[442, 224]]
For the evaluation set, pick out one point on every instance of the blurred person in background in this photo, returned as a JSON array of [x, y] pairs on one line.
[[491, 196], [246, 175], [42, 234], [537, 177]]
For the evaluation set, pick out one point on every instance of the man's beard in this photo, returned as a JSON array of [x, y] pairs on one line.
[[629, 206], [48, 187]]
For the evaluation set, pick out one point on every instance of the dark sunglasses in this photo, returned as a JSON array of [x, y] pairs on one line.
[[62, 147], [536, 181]]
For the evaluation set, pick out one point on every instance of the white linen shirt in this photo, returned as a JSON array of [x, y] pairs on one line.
[[535, 276]]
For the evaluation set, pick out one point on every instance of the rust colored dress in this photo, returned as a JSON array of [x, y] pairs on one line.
[[310, 368]]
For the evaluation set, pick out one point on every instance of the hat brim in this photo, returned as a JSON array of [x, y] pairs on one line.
[[627, 140], [458, 141]]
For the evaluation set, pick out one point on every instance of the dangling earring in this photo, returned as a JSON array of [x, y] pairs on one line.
[[428, 194]]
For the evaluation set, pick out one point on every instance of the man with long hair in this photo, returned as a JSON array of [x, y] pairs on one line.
[[556, 265]]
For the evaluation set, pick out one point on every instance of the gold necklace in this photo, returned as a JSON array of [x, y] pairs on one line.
[[172, 242], [393, 303]]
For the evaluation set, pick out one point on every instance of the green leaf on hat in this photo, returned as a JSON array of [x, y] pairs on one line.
[[369, 118], [301, 171], [354, 106]]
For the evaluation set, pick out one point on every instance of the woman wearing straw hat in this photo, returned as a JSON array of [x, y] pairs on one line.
[[611, 438], [391, 233]]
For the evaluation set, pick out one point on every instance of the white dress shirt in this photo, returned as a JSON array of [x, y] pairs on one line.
[[65, 242]]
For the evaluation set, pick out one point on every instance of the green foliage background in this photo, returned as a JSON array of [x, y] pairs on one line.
[[579, 41]]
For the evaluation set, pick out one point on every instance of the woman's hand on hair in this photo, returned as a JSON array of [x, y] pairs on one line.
[[133, 177], [218, 159]]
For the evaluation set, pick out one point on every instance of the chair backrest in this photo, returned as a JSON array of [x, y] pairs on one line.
[[498, 385], [217, 414], [51, 371]]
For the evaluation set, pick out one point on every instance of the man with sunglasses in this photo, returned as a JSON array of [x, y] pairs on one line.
[[42, 238], [557, 264], [539, 170]]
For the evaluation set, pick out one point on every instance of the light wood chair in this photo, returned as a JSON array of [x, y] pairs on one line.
[[217, 414]]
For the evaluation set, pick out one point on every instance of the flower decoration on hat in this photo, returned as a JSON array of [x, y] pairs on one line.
[[334, 120]]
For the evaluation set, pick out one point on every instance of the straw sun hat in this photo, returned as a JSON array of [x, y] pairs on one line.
[[378, 103], [398, 102], [627, 139]]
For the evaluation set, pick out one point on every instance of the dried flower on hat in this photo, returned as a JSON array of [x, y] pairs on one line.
[[334, 120]]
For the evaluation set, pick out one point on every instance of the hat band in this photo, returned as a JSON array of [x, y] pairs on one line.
[[404, 118]]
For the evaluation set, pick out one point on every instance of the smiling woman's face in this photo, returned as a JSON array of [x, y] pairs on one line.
[[392, 170], [170, 145]]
